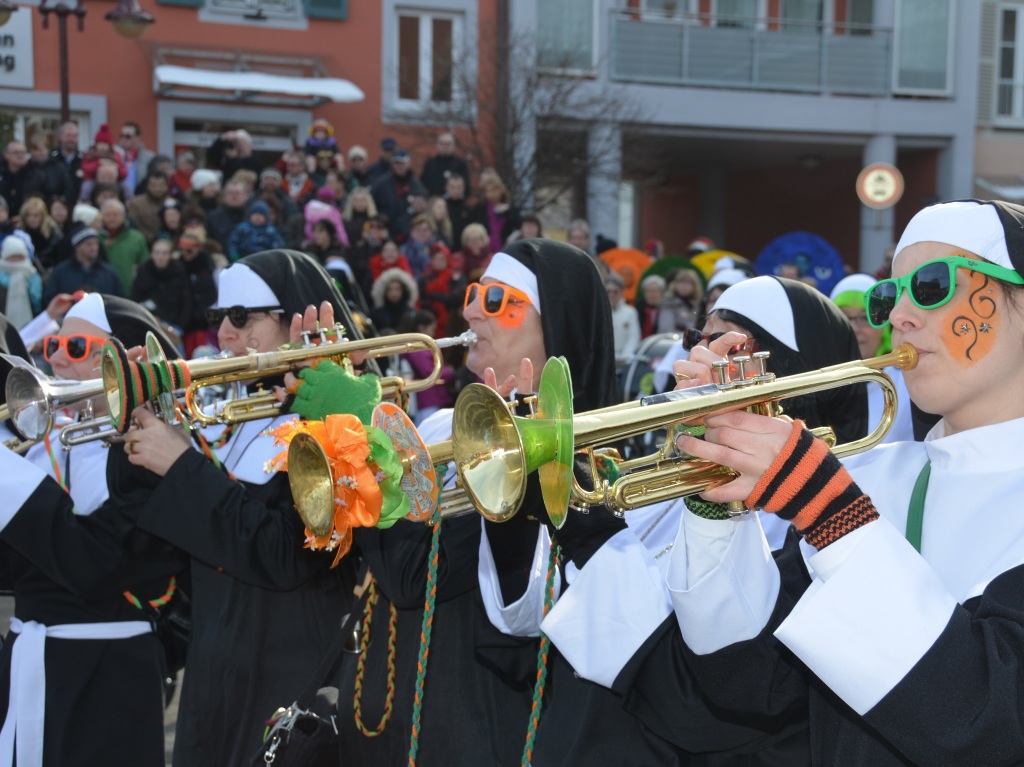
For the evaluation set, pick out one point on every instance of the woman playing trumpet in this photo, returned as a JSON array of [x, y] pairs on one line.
[[264, 610], [894, 627]]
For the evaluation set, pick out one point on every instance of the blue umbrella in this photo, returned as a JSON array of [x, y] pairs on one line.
[[811, 254]]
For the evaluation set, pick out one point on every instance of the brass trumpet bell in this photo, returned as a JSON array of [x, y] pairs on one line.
[[495, 451], [309, 476], [312, 484]]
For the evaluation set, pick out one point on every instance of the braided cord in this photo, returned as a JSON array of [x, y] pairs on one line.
[[428, 624], [53, 463], [542, 660], [160, 601], [364, 643]]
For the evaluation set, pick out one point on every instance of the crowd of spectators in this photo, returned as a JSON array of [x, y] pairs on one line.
[[119, 218]]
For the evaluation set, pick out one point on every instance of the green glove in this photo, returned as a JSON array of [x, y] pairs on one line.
[[328, 389]]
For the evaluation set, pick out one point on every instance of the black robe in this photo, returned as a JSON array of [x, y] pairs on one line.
[[477, 689], [264, 609], [104, 697]]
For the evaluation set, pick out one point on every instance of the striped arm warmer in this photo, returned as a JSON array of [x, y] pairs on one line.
[[809, 487]]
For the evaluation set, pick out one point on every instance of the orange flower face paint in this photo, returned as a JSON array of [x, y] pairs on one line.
[[971, 319]]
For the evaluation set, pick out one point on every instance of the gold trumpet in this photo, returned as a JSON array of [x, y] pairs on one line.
[[495, 451], [129, 384]]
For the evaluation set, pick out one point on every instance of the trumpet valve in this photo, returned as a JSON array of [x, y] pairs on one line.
[[721, 371], [741, 363], [531, 402], [761, 374]]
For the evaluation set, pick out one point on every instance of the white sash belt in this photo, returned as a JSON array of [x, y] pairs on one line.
[[26, 707]]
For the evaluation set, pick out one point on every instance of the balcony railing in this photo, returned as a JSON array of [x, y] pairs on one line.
[[751, 54]]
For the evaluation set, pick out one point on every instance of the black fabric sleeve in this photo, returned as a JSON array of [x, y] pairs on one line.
[[251, 531], [662, 692], [399, 558], [744, 692], [963, 702], [93, 556]]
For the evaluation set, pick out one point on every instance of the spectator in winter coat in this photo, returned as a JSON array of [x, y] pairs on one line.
[[391, 192], [428, 401], [394, 296], [318, 210], [200, 271], [221, 222], [84, 271], [475, 255], [162, 286], [144, 208], [125, 246], [255, 234], [21, 287], [442, 289], [390, 257], [439, 168], [43, 231], [417, 248], [19, 178]]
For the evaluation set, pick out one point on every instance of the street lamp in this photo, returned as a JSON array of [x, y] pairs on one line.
[[128, 19]]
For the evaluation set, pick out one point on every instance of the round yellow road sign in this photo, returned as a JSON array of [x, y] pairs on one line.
[[880, 185]]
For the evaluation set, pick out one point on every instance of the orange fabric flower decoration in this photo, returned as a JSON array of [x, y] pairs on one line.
[[357, 497]]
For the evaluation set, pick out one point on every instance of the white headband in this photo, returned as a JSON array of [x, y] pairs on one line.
[[852, 282], [241, 286], [91, 309], [504, 268], [969, 225], [762, 300]]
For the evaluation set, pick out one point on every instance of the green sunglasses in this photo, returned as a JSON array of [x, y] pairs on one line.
[[930, 286]]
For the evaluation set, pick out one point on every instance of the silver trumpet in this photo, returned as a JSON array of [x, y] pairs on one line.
[[33, 398]]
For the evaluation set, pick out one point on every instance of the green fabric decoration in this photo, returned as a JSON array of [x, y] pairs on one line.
[[395, 503], [707, 509], [329, 389], [607, 469]]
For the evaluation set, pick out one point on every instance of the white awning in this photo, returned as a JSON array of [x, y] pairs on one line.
[[251, 86], [1011, 190]]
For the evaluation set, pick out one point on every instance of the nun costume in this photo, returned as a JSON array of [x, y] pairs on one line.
[[81, 673], [264, 609], [898, 622]]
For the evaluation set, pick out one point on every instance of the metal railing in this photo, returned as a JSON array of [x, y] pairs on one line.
[[766, 54]]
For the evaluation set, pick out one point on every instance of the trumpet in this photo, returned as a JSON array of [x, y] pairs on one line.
[[15, 444], [33, 398], [129, 384], [495, 451]]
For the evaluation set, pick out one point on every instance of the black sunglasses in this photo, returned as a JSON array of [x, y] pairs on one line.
[[238, 315]]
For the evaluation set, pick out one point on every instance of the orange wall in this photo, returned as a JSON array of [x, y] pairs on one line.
[[103, 63]]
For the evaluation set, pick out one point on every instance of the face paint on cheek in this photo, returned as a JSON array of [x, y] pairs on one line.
[[972, 319], [513, 316]]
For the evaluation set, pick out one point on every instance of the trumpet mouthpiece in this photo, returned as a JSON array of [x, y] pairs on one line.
[[465, 339]]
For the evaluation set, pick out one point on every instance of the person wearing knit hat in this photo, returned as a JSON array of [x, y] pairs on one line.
[[21, 287], [848, 295], [900, 634], [82, 575], [84, 270], [203, 178], [255, 234], [85, 214], [266, 609]]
